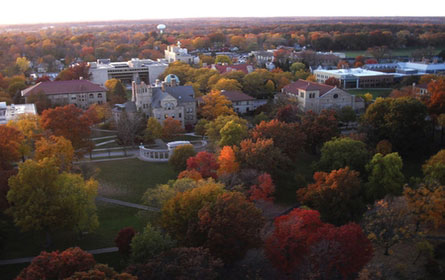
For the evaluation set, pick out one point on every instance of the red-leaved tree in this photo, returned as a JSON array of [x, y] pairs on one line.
[[263, 190], [301, 245], [123, 240], [319, 128], [57, 265], [205, 163]]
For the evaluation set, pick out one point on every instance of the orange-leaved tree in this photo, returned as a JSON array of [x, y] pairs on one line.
[[10, 141], [227, 161], [215, 104]]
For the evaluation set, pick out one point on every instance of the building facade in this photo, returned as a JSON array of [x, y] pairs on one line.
[[176, 53], [317, 97], [146, 70], [13, 111], [356, 77], [81, 93], [166, 100], [243, 103]]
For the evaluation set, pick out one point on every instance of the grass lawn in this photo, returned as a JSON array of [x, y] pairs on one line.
[[128, 179], [112, 218], [395, 52], [384, 92]]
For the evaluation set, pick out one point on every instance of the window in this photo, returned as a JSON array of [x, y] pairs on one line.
[[99, 95], [91, 96], [180, 115], [302, 94], [335, 96], [166, 116]]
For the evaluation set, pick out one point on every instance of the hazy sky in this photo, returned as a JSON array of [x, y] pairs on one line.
[[26, 11]]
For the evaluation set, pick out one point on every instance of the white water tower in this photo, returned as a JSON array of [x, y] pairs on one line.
[[161, 28]]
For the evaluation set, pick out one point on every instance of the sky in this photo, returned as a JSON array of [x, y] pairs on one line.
[[48, 11]]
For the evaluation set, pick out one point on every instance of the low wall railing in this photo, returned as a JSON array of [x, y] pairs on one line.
[[163, 155]]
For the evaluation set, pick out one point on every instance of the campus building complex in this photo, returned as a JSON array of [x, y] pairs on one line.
[[356, 77]]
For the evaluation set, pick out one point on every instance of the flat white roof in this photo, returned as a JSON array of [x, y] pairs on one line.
[[14, 110], [359, 72]]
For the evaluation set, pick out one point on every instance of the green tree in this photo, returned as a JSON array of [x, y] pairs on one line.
[[341, 152], [213, 128], [116, 91], [153, 130], [150, 243], [232, 133], [434, 168], [156, 197], [297, 67], [347, 115], [385, 176], [22, 63], [180, 155], [43, 199], [223, 59], [227, 84]]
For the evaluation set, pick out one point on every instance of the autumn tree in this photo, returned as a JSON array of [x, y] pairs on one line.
[[436, 102], [190, 174], [263, 190], [171, 128], [337, 195], [58, 265], [347, 115], [205, 163], [70, 122], [116, 92], [385, 176], [389, 222], [400, 121], [301, 245], [215, 132], [123, 240], [10, 141], [215, 104], [279, 132], [129, 128], [342, 152], [180, 155], [56, 147], [179, 215], [29, 126], [156, 197], [101, 271], [384, 147], [227, 162], [4, 188], [223, 59], [232, 133], [179, 263], [43, 199], [230, 226], [288, 114], [227, 84], [153, 130], [149, 243], [76, 72], [261, 155], [332, 81], [434, 168], [319, 128], [427, 202]]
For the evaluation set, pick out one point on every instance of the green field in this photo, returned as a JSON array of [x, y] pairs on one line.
[[122, 179], [395, 52], [128, 179], [375, 92]]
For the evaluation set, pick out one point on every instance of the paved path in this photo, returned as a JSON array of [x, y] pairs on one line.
[[29, 259], [104, 137], [104, 143], [128, 204], [104, 159]]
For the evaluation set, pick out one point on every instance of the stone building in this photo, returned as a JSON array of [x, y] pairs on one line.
[[81, 93], [243, 103], [176, 53], [13, 111], [166, 99], [317, 97]]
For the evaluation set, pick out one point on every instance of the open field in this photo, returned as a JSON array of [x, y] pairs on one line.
[[395, 52]]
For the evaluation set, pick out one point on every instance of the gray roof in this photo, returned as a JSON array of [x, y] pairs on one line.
[[180, 93]]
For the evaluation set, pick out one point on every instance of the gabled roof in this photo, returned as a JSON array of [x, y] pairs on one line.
[[180, 93], [228, 68], [236, 96], [307, 86], [423, 86], [63, 87]]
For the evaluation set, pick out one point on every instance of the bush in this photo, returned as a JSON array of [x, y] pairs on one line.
[[123, 240]]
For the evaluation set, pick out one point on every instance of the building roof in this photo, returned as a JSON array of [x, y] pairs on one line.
[[356, 72], [423, 86], [14, 110], [63, 87], [236, 96], [246, 68], [180, 93], [307, 86]]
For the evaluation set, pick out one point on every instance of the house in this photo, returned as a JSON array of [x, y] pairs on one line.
[[129, 108], [13, 111], [225, 68], [81, 93], [421, 88], [243, 103], [317, 97], [176, 53], [166, 99]]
